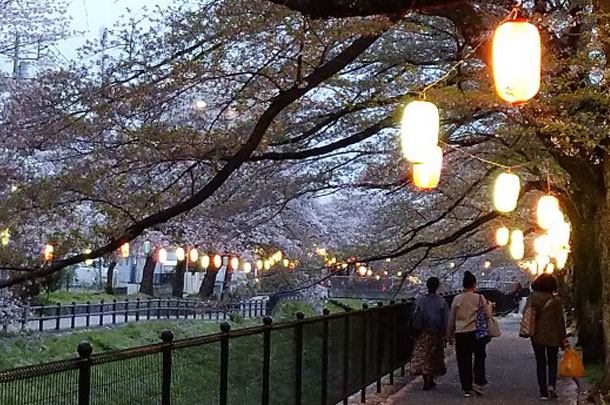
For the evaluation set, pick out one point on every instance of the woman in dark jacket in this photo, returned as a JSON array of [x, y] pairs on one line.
[[429, 351], [549, 332]]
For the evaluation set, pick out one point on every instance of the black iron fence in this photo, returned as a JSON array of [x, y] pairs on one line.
[[75, 315], [317, 360]]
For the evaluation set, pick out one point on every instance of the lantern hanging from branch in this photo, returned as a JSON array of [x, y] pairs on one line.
[[193, 255], [259, 264], [125, 250], [427, 175], [234, 263], [47, 252], [502, 236], [516, 57], [267, 264], [162, 255], [548, 212], [205, 261], [180, 254], [247, 268], [88, 262], [419, 132], [6, 237], [506, 192], [217, 261], [146, 247], [362, 271], [517, 247]]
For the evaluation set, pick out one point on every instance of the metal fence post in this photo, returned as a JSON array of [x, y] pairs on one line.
[[88, 313], [126, 310], [225, 328], [41, 318], [113, 312], [346, 343], [166, 383], [58, 319], [148, 309], [402, 348], [102, 309], [137, 309], [380, 342], [298, 360], [365, 334], [267, 321], [392, 313], [84, 374], [325, 330]]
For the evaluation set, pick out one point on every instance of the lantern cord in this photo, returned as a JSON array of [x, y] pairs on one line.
[[453, 68], [506, 167]]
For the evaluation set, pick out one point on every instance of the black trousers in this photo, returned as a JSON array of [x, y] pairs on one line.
[[546, 360], [467, 345]]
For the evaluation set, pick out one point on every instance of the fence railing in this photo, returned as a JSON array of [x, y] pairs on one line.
[[323, 360], [84, 315]]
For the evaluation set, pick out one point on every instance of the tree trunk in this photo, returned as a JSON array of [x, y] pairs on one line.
[[227, 281], [207, 286], [109, 277], [178, 287], [604, 252], [148, 273]]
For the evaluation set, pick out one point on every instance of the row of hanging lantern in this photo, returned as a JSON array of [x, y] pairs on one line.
[[516, 66]]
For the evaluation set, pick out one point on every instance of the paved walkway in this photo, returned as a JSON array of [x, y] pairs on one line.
[[511, 371]]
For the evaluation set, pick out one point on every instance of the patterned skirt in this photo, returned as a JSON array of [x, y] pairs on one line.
[[429, 354]]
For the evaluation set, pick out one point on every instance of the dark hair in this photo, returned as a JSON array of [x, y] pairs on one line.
[[545, 283], [433, 283], [469, 280]]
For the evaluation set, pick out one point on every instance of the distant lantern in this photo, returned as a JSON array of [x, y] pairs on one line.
[[180, 254], [550, 268], [502, 236], [193, 255], [125, 250], [278, 256], [6, 237], [162, 255], [362, 271], [369, 273], [286, 262], [247, 268], [542, 245], [506, 192], [542, 261], [259, 264], [88, 262], [427, 175], [517, 247], [217, 261], [267, 264], [399, 274], [47, 252], [234, 263], [385, 273], [205, 261], [548, 212], [516, 57], [487, 264], [146, 247], [419, 132], [561, 259]]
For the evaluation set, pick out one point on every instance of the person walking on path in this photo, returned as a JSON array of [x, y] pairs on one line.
[[431, 318], [549, 332], [462, 327]]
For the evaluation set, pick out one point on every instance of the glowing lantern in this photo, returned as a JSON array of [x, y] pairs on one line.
[[487, 264], [247, 268], [321, 251], [362, 271], [146, 247], [502, 236], [180, 254], [125, 249], [162, 255], [559, 236], [542, 245], [217, 261], [377, 277], [516, 57], [278, 256], [561, 259], [385, 273], [550, 268], [419, 133], [205, 261], [48, 252], [426, 175], [193, 255], [369, 273], [286, 262], [517, 247], [506, 192], [399, 274], [259, 264], [542, 261], [88, 262], [267, 264], [234, 263], [548, 212], [6, 237]]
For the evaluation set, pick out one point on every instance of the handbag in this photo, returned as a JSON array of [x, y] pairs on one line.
[[571, 364], [482, 333], [494, 328], [527, 329]]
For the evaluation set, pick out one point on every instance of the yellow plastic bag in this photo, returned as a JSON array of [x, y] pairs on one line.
[[571, 364]]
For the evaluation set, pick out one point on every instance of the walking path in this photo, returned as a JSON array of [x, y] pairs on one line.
[[511, 371]]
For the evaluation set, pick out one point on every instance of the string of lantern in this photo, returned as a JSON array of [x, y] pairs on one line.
[[516, 68]]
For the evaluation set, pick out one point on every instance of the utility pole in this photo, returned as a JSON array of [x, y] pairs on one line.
[[16, 57]]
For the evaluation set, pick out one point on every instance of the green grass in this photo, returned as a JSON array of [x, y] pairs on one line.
[[594, 373], [288, 311], [67, 297]]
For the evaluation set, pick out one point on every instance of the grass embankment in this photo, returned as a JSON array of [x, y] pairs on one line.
[[68, 297]]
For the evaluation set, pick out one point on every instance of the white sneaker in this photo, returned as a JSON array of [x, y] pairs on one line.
[[543, 398]]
